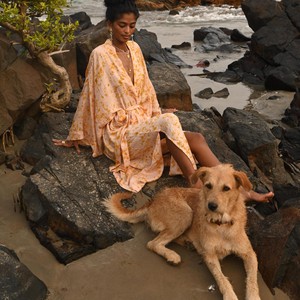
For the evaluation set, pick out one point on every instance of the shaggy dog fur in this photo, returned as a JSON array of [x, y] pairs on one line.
[[212, 218]]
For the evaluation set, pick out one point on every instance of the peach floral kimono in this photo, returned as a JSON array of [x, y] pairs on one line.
[[122, 119]]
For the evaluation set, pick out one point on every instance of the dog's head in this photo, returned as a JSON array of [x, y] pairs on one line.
[[221, 191]]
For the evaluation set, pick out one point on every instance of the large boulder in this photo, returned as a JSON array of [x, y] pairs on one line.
[[16, 280], [274, 44], [170, 86], [257, 148], [273, 59], [279, 265]]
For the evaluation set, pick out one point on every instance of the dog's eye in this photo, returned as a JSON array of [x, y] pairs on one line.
[[208, 186], [226, 188]]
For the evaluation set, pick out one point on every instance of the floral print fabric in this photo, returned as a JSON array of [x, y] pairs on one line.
[[122, 119]]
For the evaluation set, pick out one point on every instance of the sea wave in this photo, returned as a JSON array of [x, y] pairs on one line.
[[96, 10]]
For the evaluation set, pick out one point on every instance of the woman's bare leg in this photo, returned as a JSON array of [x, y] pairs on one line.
[[201, 150], [182, 160]]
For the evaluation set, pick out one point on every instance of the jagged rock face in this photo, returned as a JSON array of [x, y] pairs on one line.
[[275, 41]]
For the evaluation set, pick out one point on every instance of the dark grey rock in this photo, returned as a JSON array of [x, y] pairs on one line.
[[256, 144], [25, 128], [279, 265], [205, 94], [224, 93], [16, 280]]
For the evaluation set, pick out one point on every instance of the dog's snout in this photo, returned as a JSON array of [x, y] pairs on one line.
[[212, 206]]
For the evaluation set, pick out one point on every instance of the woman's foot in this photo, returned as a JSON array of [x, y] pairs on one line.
[[254, 196]]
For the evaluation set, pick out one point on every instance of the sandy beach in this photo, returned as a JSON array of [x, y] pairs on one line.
[[123, 271]]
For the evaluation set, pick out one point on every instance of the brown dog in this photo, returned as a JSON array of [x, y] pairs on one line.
[[212, 218]]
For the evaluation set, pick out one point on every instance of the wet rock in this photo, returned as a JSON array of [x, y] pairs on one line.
[[237, 36], [205, 94], [16, 280], [224, 93], [184, 45], [173, 12]]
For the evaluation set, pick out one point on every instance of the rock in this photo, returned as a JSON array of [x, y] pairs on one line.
[[274, 38], [86, 41], [7, 52], [63, 201], [6, 120], [2, 157], [277, 245], [23, 86], [290, 145], [68, 60], [153, 51], [25, 128], [184, 45], [237, 36], [293, 11], [260, 13], [83, 19], [273, 59], [173, 12], [16, 280], [214, 39], [280, 78], [171, 86], [205, 94], [224, 93], [258, 150]]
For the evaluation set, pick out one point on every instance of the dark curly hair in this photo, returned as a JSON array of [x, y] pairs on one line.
[[115, 8]]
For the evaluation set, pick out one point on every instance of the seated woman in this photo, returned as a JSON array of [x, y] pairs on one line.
[[118, 114]]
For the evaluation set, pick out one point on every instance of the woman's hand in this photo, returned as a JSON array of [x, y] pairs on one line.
[[168, 110], [67, 144]]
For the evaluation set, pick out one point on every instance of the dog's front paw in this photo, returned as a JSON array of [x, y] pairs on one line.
[[173, 259]]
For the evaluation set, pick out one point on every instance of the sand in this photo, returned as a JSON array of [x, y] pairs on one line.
[[123, 271]]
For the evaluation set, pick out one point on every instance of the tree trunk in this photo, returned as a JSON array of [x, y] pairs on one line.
[[61, 98]]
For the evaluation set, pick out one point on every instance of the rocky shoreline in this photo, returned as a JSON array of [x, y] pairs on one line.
[[62, 197]]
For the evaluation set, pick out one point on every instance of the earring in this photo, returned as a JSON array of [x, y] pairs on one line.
[[110, 34]]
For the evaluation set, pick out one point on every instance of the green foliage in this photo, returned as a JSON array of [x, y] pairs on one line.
[[38, 22]]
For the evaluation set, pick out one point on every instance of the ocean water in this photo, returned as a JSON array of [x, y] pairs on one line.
[[173, 30]]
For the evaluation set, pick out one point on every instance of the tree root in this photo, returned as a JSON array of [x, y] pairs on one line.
[[8, 138]]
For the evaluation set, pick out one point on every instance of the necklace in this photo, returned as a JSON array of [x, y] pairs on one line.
[[127, 52]]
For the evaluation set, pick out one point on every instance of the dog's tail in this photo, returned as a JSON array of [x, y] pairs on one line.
[[115, 207]]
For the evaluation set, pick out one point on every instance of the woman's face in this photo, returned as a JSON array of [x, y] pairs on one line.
[[123, 28]]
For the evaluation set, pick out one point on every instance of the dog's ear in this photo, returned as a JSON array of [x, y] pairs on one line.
[[242, 180], [200, 173]]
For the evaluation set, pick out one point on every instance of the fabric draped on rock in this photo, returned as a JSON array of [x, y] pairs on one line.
[[122, 119]]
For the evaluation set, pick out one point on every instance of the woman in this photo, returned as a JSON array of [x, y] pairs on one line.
[[118, 113]]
